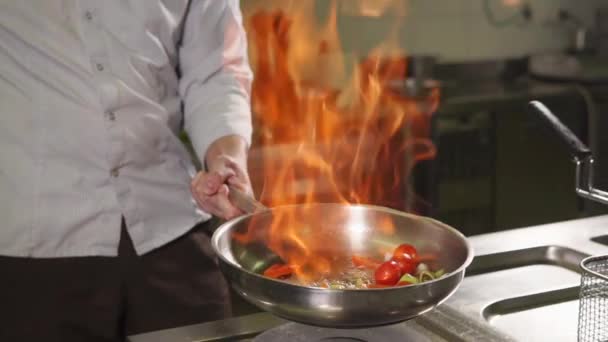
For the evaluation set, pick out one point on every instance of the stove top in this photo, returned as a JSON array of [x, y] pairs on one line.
[[439, 325], [295, 332]]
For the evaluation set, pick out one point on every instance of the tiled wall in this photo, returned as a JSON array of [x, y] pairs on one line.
[[459, 30]]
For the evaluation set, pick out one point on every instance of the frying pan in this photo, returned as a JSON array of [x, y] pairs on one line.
[[354, 228]]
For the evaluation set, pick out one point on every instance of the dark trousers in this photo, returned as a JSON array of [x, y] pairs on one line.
[[108, 298]]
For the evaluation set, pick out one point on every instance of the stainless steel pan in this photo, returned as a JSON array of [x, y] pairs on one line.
[[353, 226]]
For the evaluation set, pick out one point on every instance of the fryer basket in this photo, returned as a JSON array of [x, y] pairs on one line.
[[593, 306]]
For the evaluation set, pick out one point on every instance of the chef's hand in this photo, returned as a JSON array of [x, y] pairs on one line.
[[226, 162]]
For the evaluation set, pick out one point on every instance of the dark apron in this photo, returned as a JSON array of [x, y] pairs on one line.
[[108, 298]]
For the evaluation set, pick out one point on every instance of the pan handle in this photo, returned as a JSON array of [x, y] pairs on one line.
[[244, 201], [254, 257], [577, 149]]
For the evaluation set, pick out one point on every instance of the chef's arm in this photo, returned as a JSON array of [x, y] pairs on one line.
[[215, 85], [216, 81], [231, 147]]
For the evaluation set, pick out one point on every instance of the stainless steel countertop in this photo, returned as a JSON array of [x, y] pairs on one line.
[[575, 234], [522, 286], [546, 289]]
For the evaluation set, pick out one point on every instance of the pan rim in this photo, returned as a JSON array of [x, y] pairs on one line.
[[230, 223]]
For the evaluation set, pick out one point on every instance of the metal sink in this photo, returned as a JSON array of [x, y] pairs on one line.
[[603, 239], [554, 315], [543, 255], [530, 294]]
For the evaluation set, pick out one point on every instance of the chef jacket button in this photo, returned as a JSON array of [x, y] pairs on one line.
[[114, 172], [110, 115], [88, 15]]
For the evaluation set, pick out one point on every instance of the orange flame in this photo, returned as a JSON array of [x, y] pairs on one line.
[[323, 137]]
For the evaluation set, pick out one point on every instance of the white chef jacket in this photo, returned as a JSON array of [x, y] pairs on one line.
[[91, 96]]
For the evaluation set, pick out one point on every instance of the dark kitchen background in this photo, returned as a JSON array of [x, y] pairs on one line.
[[495, 167]]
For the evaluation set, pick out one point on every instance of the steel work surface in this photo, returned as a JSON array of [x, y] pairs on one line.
[[523, 285]]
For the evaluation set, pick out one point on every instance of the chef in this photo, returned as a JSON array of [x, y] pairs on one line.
[[104, 217]]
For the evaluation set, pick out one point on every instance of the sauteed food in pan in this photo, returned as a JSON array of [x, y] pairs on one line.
[[403, 267]]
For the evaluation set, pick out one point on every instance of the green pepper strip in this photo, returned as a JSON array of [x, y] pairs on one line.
[[428, 274]]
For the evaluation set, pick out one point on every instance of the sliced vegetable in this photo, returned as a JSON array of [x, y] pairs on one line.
[[439, 273], [388, 273], [407, 279], [278, 271], [426, 275], [361, 261]]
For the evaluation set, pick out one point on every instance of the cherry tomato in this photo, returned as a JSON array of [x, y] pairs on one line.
[[388, 273], [406, 263], [405, 249]]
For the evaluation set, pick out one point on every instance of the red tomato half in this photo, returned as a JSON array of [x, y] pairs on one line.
[[406, 263], [405, 249], [388, 273]]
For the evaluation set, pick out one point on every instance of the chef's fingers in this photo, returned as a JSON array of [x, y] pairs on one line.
[[240, 183], [222, 202], [216, 203], [208, 183]]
